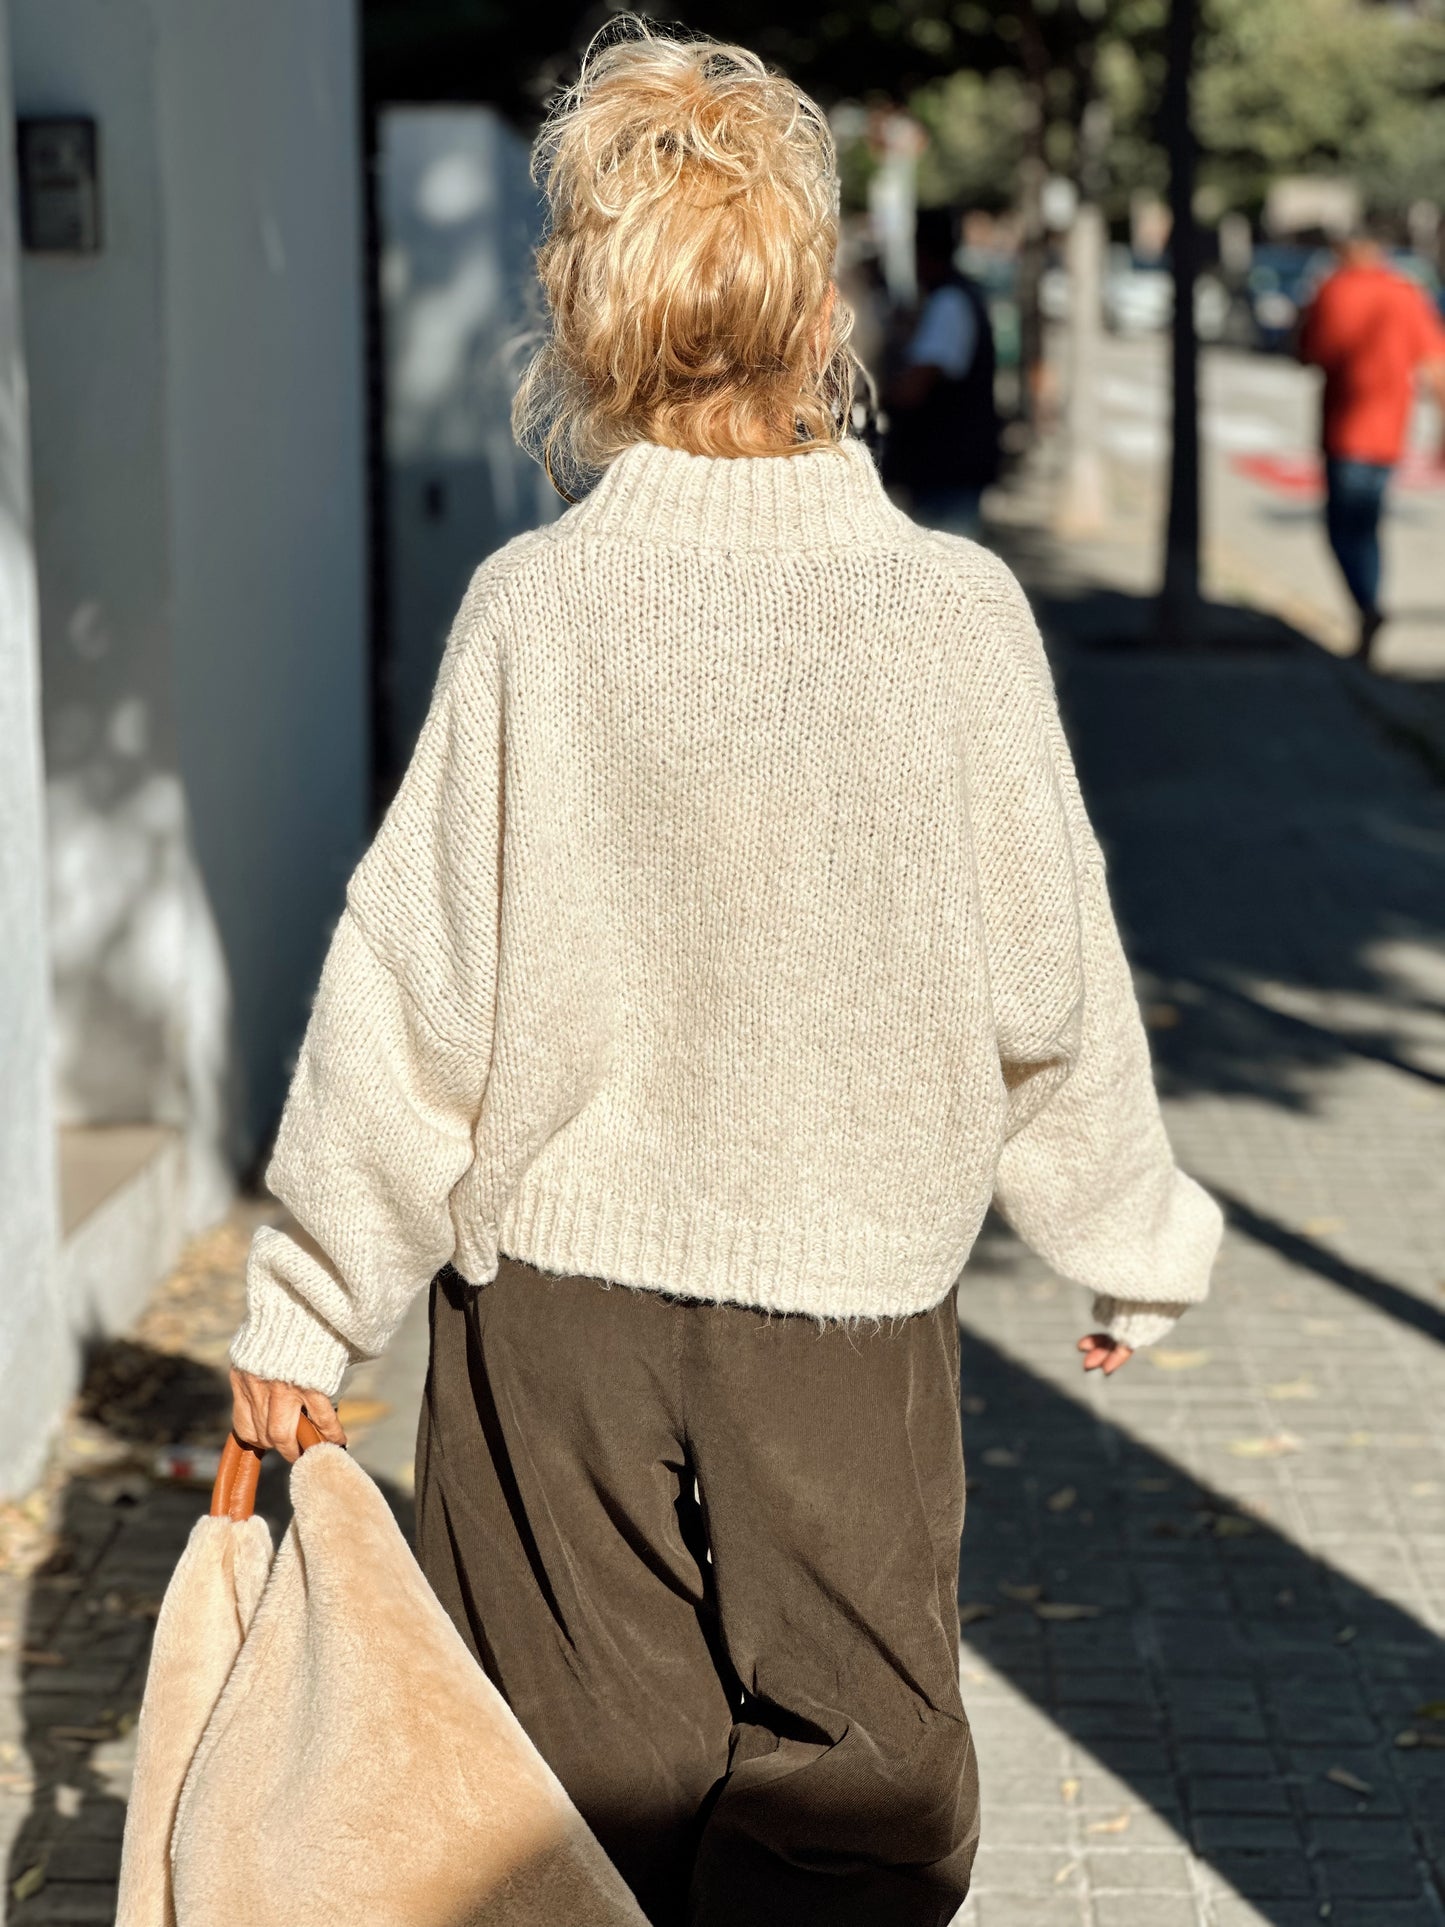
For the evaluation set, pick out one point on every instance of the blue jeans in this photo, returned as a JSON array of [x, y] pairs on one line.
[[1354, 499], [957, 511]]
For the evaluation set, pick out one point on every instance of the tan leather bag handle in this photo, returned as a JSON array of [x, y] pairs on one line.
[[233, 1496]]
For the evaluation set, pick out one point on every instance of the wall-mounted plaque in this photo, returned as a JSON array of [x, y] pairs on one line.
[[59, 185]]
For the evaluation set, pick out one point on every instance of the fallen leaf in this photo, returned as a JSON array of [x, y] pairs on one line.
[[1161, 1016], [1407, 1737], [1172, 1360], [1062, 1609], [1293, 1388], [1118, 1824], [1351, 1782], [361, 1411], [1231, 1525], [1273, 1446], [1346, 1634], [30, 1882], [1069, 1866], [1061, 1500], [1070, 1790], [973, 1609], [1026, 1593], [1431, 1710]]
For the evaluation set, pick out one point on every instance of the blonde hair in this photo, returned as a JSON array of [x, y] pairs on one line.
[[692, 202]]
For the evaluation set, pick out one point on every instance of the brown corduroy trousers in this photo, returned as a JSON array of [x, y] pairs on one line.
[[710, 1558]]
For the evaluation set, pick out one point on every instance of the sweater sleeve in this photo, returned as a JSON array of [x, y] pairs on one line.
[[378, 1125], [1086, 1175]]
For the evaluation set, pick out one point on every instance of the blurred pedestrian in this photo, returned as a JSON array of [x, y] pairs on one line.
[[737, 936], [1376, 335], [942, 444]]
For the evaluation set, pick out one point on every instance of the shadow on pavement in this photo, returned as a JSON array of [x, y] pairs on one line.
[[1307, 1254], [1247, 1692], [1207, 1669], [1266, 838]]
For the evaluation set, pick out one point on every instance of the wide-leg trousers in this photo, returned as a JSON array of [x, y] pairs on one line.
[[710, 1558]]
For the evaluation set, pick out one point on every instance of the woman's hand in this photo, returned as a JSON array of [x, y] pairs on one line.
[[265, 1412], [1101, 1350]]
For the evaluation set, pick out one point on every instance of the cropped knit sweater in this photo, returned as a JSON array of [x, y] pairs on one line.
[[737, 932]]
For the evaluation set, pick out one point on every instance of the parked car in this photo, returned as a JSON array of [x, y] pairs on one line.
[[1423, 272], [1281, 280], [1139, 297]]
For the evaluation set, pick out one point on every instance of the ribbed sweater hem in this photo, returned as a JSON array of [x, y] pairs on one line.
[[833, 1274]]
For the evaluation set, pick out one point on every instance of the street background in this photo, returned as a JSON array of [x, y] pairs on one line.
[[1203, 1602]]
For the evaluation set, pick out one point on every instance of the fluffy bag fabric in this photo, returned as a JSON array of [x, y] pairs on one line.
[[317, 1743]]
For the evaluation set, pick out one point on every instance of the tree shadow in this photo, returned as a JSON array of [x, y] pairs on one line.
[[90, 1615], [1206, 1663], [1246, 1692], [1268, 826]]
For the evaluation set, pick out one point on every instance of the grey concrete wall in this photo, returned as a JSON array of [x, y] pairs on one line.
[[119, 875], [35, 1358], [261, 175], [198, 408]]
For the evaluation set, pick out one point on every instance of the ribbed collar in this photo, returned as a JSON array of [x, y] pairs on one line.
[[827, 498]]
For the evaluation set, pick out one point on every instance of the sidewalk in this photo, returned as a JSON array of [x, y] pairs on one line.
[[1204, 1602], [1207, 1672]]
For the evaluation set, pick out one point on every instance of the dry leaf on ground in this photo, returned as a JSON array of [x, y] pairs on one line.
[[1273, 1445], [1118, 1824]]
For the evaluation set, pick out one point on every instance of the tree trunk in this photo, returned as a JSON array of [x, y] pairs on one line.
[[1033, 246], [1179, 607]]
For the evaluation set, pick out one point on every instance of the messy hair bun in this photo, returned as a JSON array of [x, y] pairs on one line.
[[692, 225]]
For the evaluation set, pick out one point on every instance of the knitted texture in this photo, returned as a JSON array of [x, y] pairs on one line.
[[737, 932]]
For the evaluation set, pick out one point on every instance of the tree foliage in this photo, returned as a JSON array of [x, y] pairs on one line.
[[1284, 86], [1322, 86]]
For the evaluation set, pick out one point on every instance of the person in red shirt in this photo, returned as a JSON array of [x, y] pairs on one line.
[[1374, 334]]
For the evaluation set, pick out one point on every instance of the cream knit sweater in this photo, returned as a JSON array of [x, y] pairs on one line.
[[737, 932]]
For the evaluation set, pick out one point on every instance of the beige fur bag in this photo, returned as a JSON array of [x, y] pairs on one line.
[[318, 1745]]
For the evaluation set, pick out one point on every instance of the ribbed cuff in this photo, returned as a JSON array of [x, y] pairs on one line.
[[281, 1337], [1133, 1322]]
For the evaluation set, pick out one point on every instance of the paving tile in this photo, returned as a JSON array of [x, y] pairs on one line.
[[1145, 1910], [1129, 1868]]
